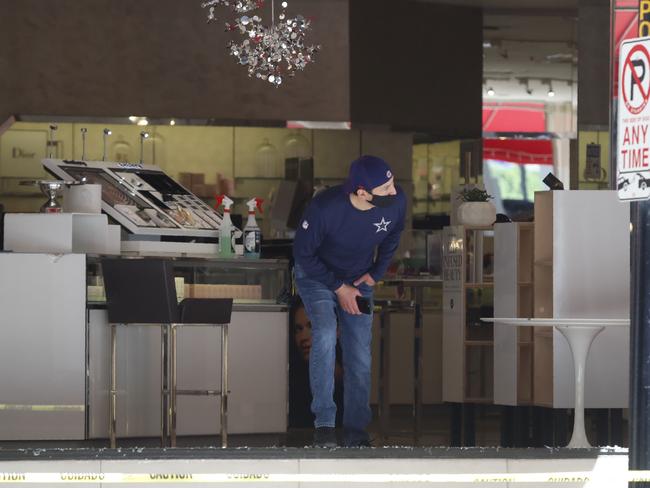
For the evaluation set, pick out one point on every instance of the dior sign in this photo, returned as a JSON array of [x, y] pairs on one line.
[[20, 153]]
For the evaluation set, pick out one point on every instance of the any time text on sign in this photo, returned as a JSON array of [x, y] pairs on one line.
[[633, 134]]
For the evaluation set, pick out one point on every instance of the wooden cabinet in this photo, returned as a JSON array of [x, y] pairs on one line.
[[513, 297]]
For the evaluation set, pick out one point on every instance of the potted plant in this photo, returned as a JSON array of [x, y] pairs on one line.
[[476, 209]]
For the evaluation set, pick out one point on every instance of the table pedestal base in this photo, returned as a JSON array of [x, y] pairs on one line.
[[579, 339]]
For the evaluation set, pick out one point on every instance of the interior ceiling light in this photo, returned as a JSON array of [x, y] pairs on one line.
[[491, 92], [487, 44], [172, 122], [551, 92], [143, 121], [269, 53], [133, 118]]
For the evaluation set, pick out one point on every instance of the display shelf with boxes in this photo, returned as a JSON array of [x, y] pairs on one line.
[[468, 295]]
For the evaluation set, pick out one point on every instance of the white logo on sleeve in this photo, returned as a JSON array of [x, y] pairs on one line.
[[383, 225], [388, 174], [305, 224]]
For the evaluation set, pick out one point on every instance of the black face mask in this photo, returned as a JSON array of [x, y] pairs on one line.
[[382, 201]]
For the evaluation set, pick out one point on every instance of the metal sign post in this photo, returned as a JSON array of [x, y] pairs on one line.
[[639, 428]]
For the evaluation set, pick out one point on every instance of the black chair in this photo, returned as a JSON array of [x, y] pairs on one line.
[[143, 292]]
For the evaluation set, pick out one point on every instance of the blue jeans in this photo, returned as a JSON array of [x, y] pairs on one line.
[[322, 308]]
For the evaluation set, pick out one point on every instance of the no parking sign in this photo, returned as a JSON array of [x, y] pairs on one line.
[[633, 129]]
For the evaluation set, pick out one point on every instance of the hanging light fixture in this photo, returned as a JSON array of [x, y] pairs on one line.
[[267, 160], [551, 92], [269, 53]]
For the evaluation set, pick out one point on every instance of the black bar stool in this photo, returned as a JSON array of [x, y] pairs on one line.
[[143, 292]]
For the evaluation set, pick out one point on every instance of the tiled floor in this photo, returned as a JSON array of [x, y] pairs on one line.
[[436, 431]]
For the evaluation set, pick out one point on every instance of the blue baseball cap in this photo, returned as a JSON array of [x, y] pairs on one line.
[[367, 172]]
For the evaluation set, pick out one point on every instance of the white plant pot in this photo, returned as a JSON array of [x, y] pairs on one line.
[[477, 214]]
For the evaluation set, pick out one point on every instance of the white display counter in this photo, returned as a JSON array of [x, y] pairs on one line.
[[42, 346], [54, 358]]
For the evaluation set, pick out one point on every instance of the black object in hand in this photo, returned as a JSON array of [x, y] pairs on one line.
[[364, 305]]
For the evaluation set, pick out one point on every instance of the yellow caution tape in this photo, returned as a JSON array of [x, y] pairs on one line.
[[177, 478], [41, 408]]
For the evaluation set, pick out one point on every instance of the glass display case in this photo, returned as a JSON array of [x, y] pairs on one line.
[[259, 282]]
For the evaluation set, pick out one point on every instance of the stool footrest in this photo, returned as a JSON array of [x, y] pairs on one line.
[[199, 392]]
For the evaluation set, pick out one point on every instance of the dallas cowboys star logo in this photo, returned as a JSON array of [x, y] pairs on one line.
[[383, 225]]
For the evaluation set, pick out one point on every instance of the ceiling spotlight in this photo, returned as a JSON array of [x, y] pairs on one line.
[[133, 118], [490, 92], [487, 44], [143, 121], [172, 122], [551, 92]]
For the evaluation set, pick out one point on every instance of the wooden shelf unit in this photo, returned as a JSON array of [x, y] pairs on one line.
[[468, 295], [514, 296]]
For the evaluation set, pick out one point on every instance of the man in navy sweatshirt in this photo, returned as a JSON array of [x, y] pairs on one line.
[[343, 246]]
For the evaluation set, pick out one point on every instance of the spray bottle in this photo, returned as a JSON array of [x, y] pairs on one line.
[[252, 232], [225, 230]]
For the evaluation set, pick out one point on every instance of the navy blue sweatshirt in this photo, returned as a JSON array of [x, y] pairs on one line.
[[335, 242]]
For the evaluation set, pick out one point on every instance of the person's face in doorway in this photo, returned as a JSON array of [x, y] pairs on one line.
[[302, 333]]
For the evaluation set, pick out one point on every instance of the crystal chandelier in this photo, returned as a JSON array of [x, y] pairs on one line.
[[269, 53]]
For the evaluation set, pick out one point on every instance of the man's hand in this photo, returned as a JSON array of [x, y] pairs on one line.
[[347, 299], [367, 279]]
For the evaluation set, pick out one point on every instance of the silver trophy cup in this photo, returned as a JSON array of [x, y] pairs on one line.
[[52, 190]]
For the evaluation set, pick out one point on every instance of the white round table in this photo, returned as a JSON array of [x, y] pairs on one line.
[[579, 333]]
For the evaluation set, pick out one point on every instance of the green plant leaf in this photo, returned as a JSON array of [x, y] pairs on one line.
[[474, 195]]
